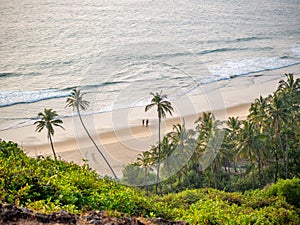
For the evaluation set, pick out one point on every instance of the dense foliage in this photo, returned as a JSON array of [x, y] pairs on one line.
[[47, 185], [232, 155]]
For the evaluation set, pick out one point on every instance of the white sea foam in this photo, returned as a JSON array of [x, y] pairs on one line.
[[296, 50], [8, 98], [240, 67]]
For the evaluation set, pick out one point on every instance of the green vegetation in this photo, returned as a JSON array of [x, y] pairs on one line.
[[47, 185], [232, 155]]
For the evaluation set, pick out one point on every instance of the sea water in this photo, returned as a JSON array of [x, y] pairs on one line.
[[119, 51]]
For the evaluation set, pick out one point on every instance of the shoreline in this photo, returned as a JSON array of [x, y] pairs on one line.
[[120, 134]]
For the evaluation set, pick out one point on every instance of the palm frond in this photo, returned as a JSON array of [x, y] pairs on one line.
[[75, 100], [148, 107]]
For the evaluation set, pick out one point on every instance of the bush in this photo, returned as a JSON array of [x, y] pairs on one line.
[[46, 185], [290, 189]]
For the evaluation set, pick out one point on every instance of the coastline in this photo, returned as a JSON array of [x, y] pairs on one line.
[[120, 134]]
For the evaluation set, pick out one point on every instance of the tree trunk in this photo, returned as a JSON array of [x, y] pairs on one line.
[[96, 145], [52, 147], [145, 181], [214, 168], [277, 167], [280, 142], [252, 167], [286, 157], [262, 171], [234, 166], [158, 163], [259, 171], [187, 177]]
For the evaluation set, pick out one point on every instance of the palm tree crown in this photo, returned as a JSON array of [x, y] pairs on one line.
[[76, 100], [163, 106]]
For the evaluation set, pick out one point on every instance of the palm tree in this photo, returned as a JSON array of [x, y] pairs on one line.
[[183, 145], [163, 107], [289, 91], [48, 120], [258, 110], [76, 101], [250, 145], [144, 161], [291, 85], [278, 114], [208, 141]]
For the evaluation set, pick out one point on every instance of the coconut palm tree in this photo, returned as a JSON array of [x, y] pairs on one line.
[[278, 115], [76, 101], [144, 161], [163, 107], [250, 145], [183, 145], [291, 85], [209, 136], [48, 119], [258, 110], [289, 91]]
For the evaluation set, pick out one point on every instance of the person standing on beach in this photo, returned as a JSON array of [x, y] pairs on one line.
[[143, 122], [147, 122]]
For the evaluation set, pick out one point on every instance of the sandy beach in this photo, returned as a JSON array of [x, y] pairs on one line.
[[120, 134]]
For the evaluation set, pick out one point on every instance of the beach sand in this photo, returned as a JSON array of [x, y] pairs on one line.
[[120, 134]]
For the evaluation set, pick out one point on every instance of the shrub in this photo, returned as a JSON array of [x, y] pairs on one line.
[[289, 188], [46, 185]]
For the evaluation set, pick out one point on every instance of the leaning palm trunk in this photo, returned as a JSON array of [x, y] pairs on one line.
[[52, 147], [86, 130]]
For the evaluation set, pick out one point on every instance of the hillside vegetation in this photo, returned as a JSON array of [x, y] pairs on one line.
[[46, 185]]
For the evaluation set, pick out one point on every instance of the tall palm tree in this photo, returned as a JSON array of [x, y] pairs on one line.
[[163, 107], [48, 119], [183, 146], [144, 161], [278, 114], [250, 144], [289, 91], [233, 126], [76, 101], [208, 142]]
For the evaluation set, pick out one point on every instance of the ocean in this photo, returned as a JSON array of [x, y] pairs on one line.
[[119, 51]]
